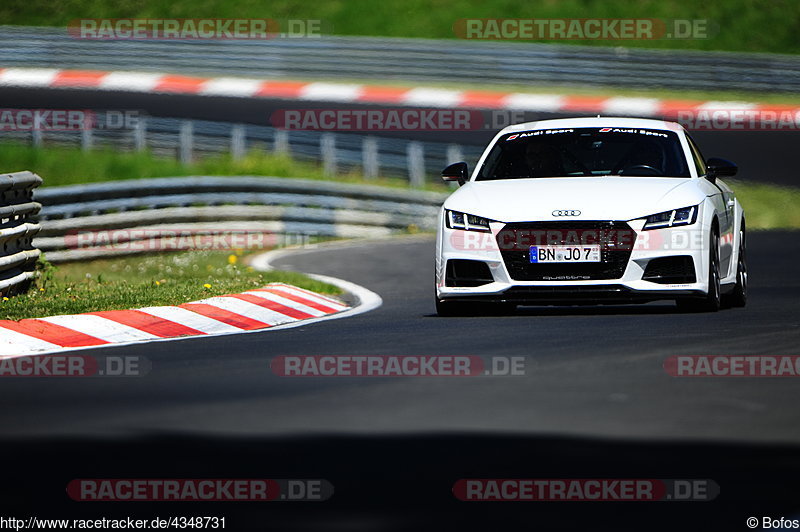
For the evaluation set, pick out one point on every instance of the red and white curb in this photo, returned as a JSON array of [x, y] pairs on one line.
[[148, 82], [275, 306]]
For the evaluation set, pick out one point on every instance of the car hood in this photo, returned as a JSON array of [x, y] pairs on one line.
[[597, 198]]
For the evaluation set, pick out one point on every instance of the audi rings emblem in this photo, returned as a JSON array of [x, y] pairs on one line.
[[561, 212]]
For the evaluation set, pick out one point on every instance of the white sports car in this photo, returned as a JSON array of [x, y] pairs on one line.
[[590, 211]]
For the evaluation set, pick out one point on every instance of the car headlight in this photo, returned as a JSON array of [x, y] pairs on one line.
[[677, 217], [467, 222]]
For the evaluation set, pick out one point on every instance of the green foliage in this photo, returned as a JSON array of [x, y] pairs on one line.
[[142, 281], [68, 166], [738, 25], [769, 206]]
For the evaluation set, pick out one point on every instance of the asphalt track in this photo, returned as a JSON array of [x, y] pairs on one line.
[[595, 402], [763, 156]]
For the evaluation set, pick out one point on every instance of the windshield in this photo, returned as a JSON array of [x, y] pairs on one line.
[[590, 151]]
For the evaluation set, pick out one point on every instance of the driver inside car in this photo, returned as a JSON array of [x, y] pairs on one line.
[[646, 159], [543, 160]]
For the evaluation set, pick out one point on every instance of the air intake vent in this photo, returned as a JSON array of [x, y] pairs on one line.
[[462, 272], [670, 270]]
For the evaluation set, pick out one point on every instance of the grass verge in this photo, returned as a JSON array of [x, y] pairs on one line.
[[738, 25], [60, 166], [768, 206], [123, 283]]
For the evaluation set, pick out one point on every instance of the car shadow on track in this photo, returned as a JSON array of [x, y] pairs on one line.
[[582, 310], [399, 482], [604, 310]]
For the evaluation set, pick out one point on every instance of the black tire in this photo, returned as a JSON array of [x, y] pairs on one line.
[[712, 301], [738, 298]]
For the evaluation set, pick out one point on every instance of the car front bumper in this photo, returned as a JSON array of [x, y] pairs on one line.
[[629, 287]]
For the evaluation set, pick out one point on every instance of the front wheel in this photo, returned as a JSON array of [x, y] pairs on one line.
[[711, 302], [738, 298]]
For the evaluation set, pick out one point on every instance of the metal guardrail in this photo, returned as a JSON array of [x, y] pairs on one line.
[[338, 153], [17, 228], [331, 57], [81, 222]]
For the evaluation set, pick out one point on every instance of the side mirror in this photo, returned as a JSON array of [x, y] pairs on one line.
[[720, 168], [456, 172]]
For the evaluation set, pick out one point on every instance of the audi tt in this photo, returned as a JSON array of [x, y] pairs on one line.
[[591, 211]]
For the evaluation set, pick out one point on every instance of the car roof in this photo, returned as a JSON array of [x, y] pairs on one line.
[[605, 121]]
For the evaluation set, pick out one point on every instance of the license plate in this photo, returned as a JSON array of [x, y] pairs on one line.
[[550, 254]]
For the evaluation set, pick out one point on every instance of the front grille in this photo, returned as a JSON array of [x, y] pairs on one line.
[[670, 270], [616, 241], [463, 272]]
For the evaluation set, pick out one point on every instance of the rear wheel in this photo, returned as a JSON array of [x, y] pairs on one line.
[[738, 298], [711, 302]]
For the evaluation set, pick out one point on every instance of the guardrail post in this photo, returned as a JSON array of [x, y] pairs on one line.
[[237, 142], [281, 142], [370, 157], [454, 154], [86, 137], [415, 157], [327, 145], [140, 134], [186, 141]]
